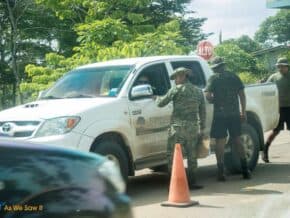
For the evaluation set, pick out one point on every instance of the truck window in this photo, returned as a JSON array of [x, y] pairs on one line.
[[90, 82], [197, 77], [157, 76]]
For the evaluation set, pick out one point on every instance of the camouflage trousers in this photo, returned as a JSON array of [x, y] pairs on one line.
[[187, 136]]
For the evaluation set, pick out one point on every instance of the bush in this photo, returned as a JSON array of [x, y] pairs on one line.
[[237, 60], [249, 78]]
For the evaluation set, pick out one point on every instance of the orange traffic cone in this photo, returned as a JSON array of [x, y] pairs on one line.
[[178, 192]]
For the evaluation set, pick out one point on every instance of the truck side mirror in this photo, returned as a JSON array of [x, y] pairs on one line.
[[141, 91]]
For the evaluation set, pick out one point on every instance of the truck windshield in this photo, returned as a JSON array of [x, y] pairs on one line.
[[90, 83]]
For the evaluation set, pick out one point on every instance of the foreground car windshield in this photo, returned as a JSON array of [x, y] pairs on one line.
[[90, 82]]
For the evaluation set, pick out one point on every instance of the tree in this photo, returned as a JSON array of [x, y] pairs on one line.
[[245, 43], [142, 15], [237, 60], [116, 29], [250, 78], [275, 29], [27, 32]]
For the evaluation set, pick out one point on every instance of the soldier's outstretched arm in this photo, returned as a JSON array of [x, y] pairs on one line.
[[164, 100], [271, 78]]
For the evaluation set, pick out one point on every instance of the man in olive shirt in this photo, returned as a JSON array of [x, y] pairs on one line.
[[187, 120], [224, 89], [282, 79]]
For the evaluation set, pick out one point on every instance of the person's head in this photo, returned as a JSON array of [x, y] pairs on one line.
[[283, 65], [218, 65], [142, 80], [180, 75]]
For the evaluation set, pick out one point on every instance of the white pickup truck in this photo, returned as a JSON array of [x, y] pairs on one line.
[[100, 108]]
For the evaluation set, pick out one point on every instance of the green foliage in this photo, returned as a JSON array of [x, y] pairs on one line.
[[40, 78], [245, 43], [109, 29], [105, 32], [139, 17], [237, 59], [287, 55], [250, 78], [28, 31], [164, 41], [275, 28]]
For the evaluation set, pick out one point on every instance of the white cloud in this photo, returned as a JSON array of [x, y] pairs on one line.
[[233, 17]]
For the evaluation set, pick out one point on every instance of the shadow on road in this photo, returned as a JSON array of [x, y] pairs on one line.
[[152, 188]]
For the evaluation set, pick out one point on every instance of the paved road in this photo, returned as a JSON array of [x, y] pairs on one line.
[[266, 195]]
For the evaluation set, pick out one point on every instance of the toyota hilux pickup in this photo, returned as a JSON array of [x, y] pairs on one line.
[[102, 108]]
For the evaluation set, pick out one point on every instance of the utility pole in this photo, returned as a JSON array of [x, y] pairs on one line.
[[220, 37]]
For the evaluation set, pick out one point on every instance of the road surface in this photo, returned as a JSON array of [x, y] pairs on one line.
[[266, 195]]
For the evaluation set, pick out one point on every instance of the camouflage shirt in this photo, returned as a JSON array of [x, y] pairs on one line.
[[188, 104], [283, 84], [225, 88]]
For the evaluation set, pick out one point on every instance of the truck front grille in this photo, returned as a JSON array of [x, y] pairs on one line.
[[18, 129], [23, 134]]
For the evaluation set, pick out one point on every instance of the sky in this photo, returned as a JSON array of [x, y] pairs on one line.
[[233, 17]]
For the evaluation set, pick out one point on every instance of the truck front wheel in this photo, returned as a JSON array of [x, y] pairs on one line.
[[250, 141], [113, 151]]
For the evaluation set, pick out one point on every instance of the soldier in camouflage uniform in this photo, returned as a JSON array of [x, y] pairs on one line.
[[187, 120], [224, 90]]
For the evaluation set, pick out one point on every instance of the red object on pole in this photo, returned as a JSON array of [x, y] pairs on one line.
[[205, 49]]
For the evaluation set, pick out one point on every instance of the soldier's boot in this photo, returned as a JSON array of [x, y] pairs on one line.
[[245, 170], [265, 154], [221, 172], [192, 184]]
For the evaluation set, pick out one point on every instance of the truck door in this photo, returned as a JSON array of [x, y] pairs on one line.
[[150, 123]]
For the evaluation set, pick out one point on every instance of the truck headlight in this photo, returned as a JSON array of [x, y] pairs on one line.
[[111, 172], [57, 126]]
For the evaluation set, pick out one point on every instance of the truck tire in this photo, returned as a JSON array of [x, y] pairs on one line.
[[250, 140], [114, 151]]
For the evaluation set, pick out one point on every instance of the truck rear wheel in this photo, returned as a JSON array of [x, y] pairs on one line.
[[250, 141], [114, 152]]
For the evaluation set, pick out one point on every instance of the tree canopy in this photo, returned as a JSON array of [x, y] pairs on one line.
[[245, 43], [115, 29], [275, 29], [27, 32], [237, 59]]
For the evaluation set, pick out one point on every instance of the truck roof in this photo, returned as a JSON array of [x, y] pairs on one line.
[[139, 60]]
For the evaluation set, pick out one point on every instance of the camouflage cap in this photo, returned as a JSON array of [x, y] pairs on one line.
[[216, 62], [282, 62], [180, 70]]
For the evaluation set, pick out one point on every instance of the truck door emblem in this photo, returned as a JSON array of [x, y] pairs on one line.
[[140, 121], [136, 112]]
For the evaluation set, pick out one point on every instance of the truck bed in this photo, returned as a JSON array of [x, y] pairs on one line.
[[262, 99]]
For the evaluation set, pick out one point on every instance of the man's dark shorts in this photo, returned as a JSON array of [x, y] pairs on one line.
[[222, 125], [284, 118]]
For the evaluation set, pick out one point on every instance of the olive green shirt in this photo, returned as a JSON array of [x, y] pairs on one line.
[[225, 88], [283, 85], [188, 104]]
